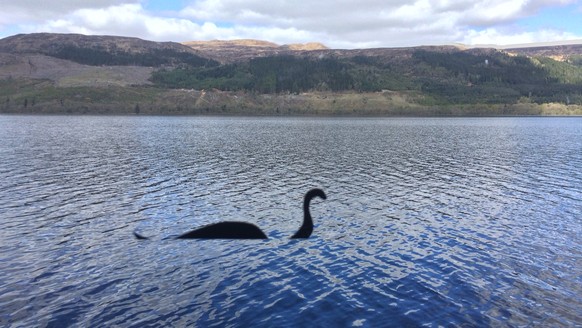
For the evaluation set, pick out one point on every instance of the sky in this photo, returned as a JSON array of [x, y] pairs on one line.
[[340, 24]]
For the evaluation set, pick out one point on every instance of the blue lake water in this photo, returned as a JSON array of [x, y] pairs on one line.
[[428, 221]]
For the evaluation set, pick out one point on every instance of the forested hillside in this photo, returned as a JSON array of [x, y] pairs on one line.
[[118, 57], [460, 77]]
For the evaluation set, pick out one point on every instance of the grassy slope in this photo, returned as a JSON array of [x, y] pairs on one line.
[[42, 97]]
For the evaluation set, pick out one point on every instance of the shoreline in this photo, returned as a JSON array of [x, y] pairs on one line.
[[210, 115], [26, 97]]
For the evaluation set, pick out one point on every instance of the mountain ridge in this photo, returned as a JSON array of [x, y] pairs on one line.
[[34, 42], [244, 49]]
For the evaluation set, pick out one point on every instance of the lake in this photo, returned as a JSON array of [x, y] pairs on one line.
[[428, 221]]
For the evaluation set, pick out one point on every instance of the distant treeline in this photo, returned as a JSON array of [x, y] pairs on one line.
[[119, 57], [461, 77], [277, 74]]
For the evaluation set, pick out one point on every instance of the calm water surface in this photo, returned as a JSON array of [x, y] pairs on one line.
[[451, 222]]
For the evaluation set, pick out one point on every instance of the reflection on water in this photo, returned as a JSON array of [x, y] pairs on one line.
[[427, 221]]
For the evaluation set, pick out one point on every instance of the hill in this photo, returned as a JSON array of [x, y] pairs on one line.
[[75, 73], [438, 75], [243, 50], [561, 52], [103, 50]]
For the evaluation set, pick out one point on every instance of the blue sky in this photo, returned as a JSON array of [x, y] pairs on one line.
[[565, 18], [336, 23]]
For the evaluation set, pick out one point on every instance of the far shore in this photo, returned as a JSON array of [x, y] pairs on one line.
[[152, 101]]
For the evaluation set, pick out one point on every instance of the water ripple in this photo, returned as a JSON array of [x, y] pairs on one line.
[[441, 222]]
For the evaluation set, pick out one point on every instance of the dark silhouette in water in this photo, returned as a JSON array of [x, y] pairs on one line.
[[307, 226], [244, 230], [226, 230], [138, 236]]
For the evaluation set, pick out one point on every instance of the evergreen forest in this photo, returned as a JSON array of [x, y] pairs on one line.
[[460, 77]]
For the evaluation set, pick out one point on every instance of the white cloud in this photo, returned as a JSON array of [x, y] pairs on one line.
[[373, 22], [133, 20], [492, 36], [17, 11], [125, 19], [337, 23]]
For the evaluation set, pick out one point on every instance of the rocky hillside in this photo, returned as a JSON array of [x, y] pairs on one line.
[[562, 52], [243, 50]]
